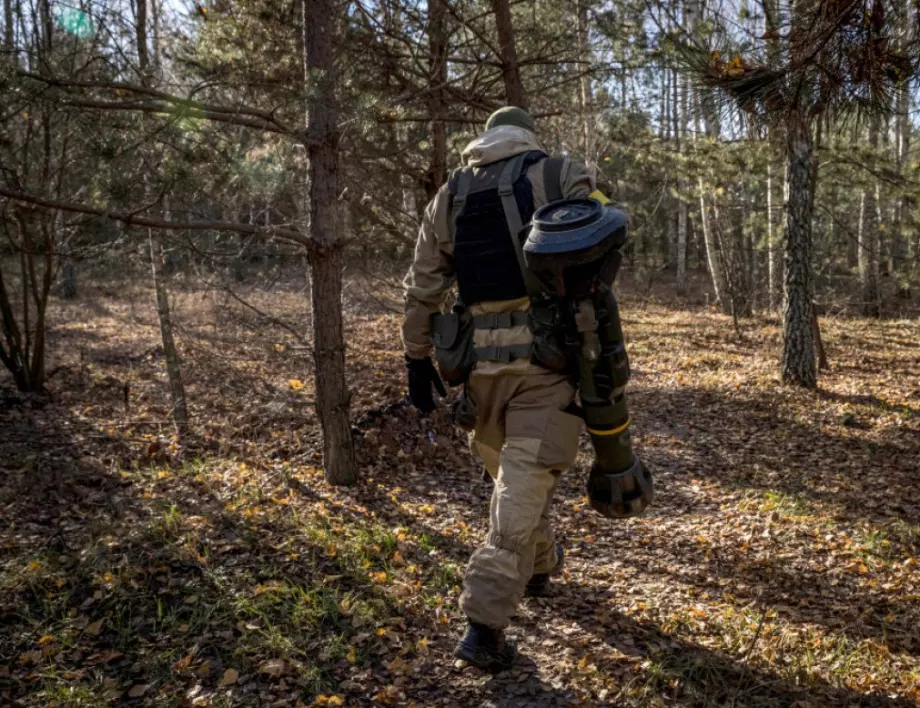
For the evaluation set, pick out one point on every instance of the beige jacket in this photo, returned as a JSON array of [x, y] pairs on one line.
[[431, 275]]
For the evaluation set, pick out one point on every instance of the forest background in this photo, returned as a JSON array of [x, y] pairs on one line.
[[205, 211]]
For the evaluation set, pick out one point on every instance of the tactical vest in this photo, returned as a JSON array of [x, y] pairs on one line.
[[489, 207]]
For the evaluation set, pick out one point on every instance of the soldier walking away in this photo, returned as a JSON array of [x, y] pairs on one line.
[[517, 342]]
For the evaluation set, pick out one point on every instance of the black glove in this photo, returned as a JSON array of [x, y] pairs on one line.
[[422, 375]]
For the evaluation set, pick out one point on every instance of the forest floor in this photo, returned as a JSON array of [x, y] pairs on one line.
[[777, 567]]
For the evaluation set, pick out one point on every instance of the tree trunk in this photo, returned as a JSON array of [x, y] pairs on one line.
[[869, 239], [8, 36], [586, 91], [774, 246], [511, 70], [816, 335], [13, 349], [713, 246], [674, 226], [437, 103], [67, 280], [691, 17], [707, 214], [682, 186], [905, 204], [325, 256], [774, 234], [173, 362], [666, 104], [798, 363], [157, 260]]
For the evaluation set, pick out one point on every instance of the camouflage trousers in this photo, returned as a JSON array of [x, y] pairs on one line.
[[525, 439]]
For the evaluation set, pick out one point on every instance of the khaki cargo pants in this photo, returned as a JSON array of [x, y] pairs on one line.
[[526, 440]]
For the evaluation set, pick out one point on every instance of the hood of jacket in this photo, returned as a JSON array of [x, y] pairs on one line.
[[499, 143]]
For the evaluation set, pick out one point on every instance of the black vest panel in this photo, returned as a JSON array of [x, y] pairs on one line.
[[484, 259]]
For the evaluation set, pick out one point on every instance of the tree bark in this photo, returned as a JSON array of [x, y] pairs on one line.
[[322, 140], [774, 234], [511, 70], [713, 246], [437, 103], [67, 280], [171, 354], [870, 238], [682, 187], [691, 18], [816, 335], [774, 246], [157, 262], [707, 211], [8, 36], [903, 240], [709, 215], [586, 91], [798, 363]]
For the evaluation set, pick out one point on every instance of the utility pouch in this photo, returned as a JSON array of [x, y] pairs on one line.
[[452, 337], [548, 336]]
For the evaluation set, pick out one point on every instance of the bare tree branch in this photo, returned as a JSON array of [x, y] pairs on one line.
[[132, 219], [239, 115]]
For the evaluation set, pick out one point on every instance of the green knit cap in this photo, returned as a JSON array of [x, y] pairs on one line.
[[511, 115]]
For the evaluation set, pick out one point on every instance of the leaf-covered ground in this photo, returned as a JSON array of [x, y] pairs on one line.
[[778, 566]]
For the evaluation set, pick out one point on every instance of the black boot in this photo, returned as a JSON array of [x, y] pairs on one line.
[[538, 585], [486, 648]]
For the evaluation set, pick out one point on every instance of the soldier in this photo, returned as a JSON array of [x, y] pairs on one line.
[[519, 393]]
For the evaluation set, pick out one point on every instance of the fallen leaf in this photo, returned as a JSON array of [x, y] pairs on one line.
[[229, 678], [272, 667], [138, 690], [94, 628]]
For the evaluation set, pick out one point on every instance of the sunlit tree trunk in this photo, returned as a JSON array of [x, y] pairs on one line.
[[511, 70], [708, 214], [668, 228], [680, 107], [774, 264], [325, 256], [691, 17], [670, 254], [904, 241], [870, 238], [798, 363], [586, 91], [774, 234]]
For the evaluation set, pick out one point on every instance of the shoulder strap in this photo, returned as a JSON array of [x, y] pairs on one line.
[[459, 187], [510, 173], [552, 178]]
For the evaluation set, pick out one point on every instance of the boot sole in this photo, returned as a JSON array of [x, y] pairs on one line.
[[491, 665]]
